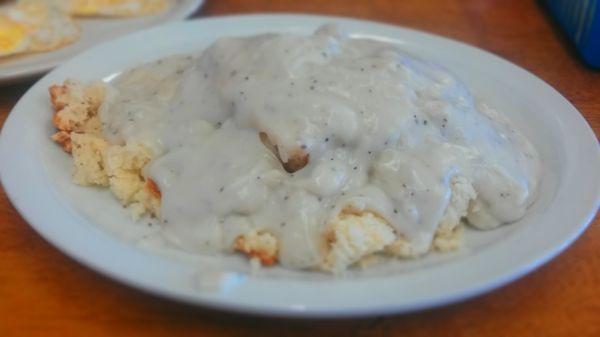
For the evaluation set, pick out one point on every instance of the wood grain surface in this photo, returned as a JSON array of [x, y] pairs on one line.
[[44, 293]]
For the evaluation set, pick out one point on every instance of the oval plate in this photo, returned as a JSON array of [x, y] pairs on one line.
[[76, 220]]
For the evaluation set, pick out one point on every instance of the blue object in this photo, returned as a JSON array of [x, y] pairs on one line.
[[581, 20]]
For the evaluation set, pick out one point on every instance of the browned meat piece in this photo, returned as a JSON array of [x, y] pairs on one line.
[[298, 159]]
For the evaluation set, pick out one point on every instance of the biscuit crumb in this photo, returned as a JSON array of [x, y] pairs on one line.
[[124, 164], [258, 245], [88, 159], [448, 235], [96, 161], [64, 139], [76, 106], [353, 237]]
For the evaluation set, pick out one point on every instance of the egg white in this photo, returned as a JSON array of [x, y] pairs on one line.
[[34, 26]]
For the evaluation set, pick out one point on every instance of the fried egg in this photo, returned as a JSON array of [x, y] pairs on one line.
[[34, 26], [113, 7]]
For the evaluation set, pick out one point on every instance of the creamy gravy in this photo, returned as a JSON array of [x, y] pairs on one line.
[[384, 132]]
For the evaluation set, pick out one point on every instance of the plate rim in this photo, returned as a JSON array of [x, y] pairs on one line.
[[13, 193]]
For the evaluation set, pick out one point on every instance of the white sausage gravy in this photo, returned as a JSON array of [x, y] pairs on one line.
[[379, 131]]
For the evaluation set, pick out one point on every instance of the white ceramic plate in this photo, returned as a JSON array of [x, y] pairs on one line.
[[79, 221], [93, 31]]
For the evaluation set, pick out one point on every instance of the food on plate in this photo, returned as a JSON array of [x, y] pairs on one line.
[[311, 152], [96, 162], [121, 8], [34, 26], [28, 26]]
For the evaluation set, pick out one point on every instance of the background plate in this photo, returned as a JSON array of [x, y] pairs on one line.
[[93, 31]]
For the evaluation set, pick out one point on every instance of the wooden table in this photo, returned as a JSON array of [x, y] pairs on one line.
[[44, 293]]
